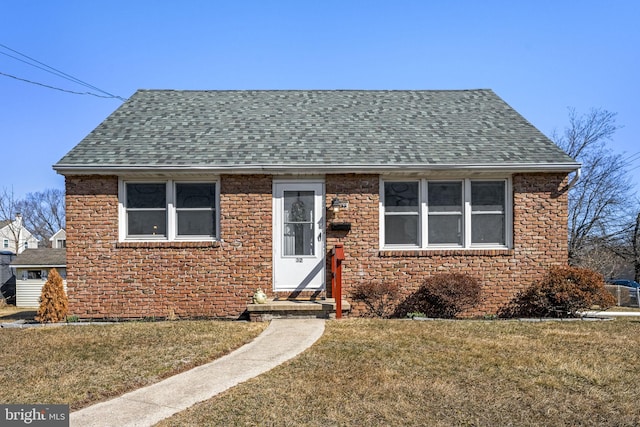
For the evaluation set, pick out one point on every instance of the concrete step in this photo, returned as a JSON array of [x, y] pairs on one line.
[[295, 308]]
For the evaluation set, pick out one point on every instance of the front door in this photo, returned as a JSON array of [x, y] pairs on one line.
[[298, 236]]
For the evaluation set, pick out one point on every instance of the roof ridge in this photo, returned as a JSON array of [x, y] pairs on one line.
[[316, 90]]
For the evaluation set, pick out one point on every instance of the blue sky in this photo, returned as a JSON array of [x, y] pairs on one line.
[[540, 56]]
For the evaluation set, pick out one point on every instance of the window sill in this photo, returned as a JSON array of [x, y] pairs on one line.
[[167, 244], [426, 253]]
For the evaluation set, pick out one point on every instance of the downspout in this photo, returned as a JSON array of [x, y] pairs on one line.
[[575, 179]]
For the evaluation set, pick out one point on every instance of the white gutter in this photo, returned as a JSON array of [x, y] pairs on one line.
[[310, 168], [37, 265]]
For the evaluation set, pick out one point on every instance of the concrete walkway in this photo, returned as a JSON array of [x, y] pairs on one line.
[[282, 340]]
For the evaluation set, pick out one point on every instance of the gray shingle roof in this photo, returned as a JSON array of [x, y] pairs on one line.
[[41, 257], [313, 128]]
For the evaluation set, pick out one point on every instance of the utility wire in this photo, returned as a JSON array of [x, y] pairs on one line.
[[58, 73], [57, 88]]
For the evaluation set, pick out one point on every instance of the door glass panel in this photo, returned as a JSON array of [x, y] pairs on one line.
[[298, 230]]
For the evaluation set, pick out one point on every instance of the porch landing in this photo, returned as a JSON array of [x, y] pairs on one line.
[[295, 308]]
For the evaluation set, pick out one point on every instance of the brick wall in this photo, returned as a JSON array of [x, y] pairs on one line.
[[107, 279], [540, 240]]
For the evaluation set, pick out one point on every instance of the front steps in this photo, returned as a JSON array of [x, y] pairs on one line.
[[295, 308]]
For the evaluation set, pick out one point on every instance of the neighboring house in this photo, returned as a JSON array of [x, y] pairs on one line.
[[15, 237], [186, 202], [32, 269], [59, 239]]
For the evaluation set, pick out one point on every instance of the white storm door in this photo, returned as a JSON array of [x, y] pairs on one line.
[[298, 236]]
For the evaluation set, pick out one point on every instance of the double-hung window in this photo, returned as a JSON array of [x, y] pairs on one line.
[[432, 214], [168, 210], [402, 213]]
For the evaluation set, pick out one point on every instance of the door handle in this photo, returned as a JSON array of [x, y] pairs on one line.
[[320, 237]]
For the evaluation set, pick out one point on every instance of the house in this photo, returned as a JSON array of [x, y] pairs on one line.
[[32, 268], [59, 239], [15, 237], [186, 202]]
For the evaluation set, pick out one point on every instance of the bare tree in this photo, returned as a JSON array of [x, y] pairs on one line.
[[636, 249], [10, 216], [44, 213], [599, 202]]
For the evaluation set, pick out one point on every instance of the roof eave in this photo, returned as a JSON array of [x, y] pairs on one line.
[[38, 265], [311, 168]]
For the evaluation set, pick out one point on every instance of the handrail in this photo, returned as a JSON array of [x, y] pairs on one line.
[[337, 256]]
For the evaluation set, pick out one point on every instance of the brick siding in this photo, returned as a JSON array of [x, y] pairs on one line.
[[111, 279]]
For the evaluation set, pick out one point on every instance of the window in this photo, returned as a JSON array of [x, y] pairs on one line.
[[168, 210], [146, 209], [445, 213], [461, 213], [195, 209], [26, 245], [402, 213], [5, 243], [61, 243]]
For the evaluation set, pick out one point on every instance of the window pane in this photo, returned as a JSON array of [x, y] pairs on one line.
[[195, 195], [445, 229], [487, 228], [445, 196], [196, 223], [487, 196], [401, 230], [146, 195], [152, 223], [401, 197]]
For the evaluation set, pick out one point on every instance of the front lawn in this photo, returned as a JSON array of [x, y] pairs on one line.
[[444, 373], [80, 365]]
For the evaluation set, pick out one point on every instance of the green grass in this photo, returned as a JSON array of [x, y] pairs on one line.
[[80, 365], [443, 373]]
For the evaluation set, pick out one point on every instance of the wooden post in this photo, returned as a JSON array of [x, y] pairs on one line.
[[337, 256]]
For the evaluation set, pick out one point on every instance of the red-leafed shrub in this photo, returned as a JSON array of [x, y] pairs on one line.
[[563, 292], [53, 300], [380, 299], [442, 295]]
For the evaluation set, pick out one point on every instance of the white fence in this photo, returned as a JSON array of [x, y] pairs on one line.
[[28, 292], [625, 296]]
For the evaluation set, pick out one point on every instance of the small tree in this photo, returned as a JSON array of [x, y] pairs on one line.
[[53, 300], [379, 298]]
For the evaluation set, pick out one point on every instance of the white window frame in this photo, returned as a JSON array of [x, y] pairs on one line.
[[5, 243], [172, 218], [423, 225]]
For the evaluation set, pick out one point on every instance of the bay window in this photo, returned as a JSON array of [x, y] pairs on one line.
[[432, 214]]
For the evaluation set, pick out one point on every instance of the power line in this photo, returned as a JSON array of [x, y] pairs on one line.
[[57, 88], [58, 73]]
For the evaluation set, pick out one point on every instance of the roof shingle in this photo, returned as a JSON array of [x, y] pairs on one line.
[[360, 128]]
